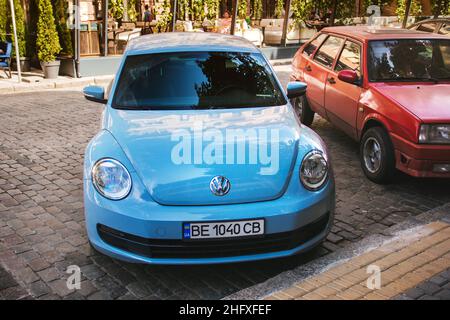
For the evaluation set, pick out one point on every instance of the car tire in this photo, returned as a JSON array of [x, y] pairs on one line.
[[302, 110], [377, 155]]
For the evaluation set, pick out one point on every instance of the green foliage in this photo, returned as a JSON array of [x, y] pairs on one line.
[[21, 28], [116, 9], [60, 13], [443, 5], [257, 9], [6, 25], [47, 42], [242, 9], [279, 7], [184, 9], [165, 16], [197, 10], [301, 9], [415, 10], [131, 10], [3, 19], [213, 8]]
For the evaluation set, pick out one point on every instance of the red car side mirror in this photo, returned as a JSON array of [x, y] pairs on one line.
[[348, 76]]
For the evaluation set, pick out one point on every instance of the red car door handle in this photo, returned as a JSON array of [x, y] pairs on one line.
[[331, 80], [308, 68]]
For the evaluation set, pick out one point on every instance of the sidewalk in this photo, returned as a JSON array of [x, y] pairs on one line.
[[404, 264], [412, 259], [8, 86]]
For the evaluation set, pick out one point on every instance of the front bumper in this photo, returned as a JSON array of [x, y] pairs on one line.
[[151, 233], [421, 160]]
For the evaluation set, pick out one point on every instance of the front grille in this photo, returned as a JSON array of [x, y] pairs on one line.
[[158, 248]]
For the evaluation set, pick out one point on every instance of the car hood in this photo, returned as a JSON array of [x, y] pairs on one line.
[[176, 154], [429, 102]]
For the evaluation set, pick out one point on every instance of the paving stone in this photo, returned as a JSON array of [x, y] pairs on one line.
[[43, 138], [39, 288], [429, 288]]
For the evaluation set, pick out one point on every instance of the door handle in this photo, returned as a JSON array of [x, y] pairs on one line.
[[308, 68], [331, 80]]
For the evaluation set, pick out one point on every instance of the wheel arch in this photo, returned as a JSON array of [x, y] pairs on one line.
[[371, 122]]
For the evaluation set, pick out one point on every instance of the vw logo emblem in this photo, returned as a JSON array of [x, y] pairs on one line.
[[219, 185]]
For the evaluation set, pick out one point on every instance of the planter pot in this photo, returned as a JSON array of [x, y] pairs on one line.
[[25, 63], [51, 69]]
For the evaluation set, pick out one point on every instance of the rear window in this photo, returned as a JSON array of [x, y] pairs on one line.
[[197, 80]]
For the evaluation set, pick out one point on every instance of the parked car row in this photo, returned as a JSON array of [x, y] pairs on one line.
[[202, 158], [389, 89]]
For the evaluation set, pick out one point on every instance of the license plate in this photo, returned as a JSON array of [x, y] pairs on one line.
[[223, 229]]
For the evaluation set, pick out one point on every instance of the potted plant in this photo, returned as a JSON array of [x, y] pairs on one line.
[[47, 41]]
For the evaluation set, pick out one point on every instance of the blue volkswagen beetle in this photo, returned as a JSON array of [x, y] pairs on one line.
[[201, 158]]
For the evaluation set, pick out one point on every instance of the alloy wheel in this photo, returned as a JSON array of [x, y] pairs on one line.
[[372, 155]]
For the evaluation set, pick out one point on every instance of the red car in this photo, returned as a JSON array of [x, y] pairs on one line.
[[389, 89]]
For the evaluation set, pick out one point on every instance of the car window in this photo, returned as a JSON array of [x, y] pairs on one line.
[[427, 27], [196, 80], [350, 58], [311, 47], [328, 51], [409, 60], [445, 29]]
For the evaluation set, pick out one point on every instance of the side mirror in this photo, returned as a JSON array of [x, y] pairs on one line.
[[95, 93], [296, 89], [348, 76]]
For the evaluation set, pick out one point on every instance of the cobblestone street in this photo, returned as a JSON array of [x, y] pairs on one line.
[[42, 140]]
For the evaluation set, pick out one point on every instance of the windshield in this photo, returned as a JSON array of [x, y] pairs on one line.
[[196, 80], [409, 60]]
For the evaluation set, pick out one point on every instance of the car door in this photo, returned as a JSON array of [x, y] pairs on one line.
[[316, 72], [341, 98]]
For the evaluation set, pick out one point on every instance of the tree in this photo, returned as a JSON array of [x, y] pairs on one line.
[[47, 41], [3, 19], [257, 9], [242, 9], [184, 9], [213, 8], [415, 10], [166, 15], [198, 10], [279, 8], [6, 25], [301, 9], [60, 14]]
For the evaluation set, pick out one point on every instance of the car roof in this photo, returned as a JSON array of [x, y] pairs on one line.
[[188, 41], [366, 33], [431, 20]]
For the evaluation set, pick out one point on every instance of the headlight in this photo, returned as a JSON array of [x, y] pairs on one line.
[[111, 179], [434, 133], [314, 170]]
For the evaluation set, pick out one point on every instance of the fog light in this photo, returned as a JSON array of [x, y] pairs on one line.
[[441, 168]]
